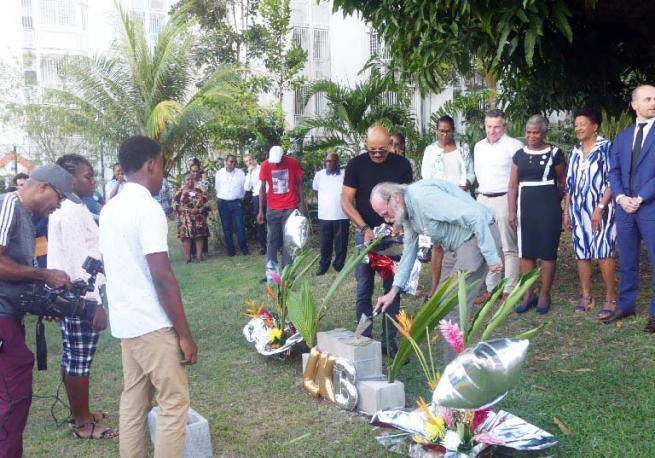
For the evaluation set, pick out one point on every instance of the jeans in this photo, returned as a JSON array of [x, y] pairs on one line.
[[365, 277], [231, 213], [261, 228], [275, 220], [333, 233]]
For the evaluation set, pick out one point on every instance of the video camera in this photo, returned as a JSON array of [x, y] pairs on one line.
[[41, 300]]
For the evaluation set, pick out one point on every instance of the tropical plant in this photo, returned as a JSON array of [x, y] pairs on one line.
[[302, 305], [444, 300], [352, 111], [144, 89]]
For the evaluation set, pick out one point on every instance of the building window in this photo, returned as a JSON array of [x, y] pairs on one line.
[[376, 46], [156, 24], [66, 14], [320, 104], [57, 13], [27, 14], [301, 38], [156, 4], [300, 100], [321, 45]]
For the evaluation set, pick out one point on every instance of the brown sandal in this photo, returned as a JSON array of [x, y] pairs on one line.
[[607, 312], [582, 309], [106, 433]]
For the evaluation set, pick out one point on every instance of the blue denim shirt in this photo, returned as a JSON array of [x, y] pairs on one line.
[[449, 216]]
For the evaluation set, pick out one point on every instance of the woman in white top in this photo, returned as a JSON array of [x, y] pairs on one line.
[[447, 160]]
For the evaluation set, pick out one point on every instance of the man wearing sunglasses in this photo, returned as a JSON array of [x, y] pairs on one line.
[[363, 172], [42, 194]]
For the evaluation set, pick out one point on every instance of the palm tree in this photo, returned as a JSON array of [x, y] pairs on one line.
[[352, 111], [153, 91]]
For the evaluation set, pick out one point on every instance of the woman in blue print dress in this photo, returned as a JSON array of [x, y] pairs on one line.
[[589, 210]]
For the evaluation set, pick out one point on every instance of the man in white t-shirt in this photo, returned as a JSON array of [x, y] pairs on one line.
[[145, 306], [492, 159], [333, 224]]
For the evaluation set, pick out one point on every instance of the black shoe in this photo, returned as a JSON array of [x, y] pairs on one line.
[[263, 280], [338, 269], [230, 255], [246, 253], [321, 271], [391, 352], [262, 251]]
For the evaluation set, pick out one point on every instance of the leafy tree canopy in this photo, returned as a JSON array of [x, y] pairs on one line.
[[553, 54]]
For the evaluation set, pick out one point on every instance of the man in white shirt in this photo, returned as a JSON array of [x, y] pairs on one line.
[[145, 306], [229, 187], [252, 183], [492, 165], [333, 224]]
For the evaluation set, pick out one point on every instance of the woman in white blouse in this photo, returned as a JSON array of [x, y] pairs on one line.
[[447, 160]]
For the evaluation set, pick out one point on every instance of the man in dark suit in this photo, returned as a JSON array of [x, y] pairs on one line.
[[632, 178]]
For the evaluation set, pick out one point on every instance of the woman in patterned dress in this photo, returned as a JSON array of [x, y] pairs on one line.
[[536, 186], [447, 160], [589, 210], [191, 204]]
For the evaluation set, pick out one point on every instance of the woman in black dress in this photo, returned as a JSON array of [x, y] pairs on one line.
[[536, 187]]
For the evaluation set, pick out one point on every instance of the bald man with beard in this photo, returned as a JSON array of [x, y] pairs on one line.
[[363, 173]]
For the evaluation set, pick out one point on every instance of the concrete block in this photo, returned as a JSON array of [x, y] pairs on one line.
[[364, 353], [377, 395], [198, 442]]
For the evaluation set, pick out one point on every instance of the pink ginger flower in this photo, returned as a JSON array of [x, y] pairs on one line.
[[445, 414], [275, 276], [487, 438], [453, 335]]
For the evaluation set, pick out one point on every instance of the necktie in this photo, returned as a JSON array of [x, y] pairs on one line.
[[636, 149]]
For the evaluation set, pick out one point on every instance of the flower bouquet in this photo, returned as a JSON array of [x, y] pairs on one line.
[[271, 331], [458, 422]]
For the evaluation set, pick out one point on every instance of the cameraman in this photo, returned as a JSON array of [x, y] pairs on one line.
[[42, 194]]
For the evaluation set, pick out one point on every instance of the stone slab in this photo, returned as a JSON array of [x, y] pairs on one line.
[[377, 395], [198, 442], [364, 353]]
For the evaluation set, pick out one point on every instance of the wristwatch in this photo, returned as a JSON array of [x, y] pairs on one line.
[[601, 206], [639, 200]]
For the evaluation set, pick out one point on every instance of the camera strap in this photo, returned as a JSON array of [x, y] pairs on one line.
[[41, 346]]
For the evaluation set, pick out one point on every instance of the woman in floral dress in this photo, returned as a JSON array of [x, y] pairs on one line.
[[191, 204]]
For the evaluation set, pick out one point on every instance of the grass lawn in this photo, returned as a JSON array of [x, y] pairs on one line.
[[596, 379]]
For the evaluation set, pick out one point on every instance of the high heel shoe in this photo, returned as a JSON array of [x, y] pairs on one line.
[[525, 307]]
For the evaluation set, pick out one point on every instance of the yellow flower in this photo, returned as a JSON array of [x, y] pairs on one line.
[[435, 429], [253, 310], [435, 426], [433, 383], [274, 334], [404, 324]]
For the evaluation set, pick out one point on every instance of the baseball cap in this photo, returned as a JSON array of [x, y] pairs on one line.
[[57, 177], [275, 154]]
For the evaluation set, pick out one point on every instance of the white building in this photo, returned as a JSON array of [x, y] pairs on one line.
[[39, 36], [338, 48]]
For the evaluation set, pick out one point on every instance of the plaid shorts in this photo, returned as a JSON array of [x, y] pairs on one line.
[[80, 341]]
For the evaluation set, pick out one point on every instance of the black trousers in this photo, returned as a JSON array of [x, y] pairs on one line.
[[334, 238]]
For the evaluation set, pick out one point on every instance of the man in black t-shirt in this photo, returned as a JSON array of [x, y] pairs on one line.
[[362, 174]]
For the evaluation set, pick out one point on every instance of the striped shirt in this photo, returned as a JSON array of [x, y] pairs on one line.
[[17, 236]]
